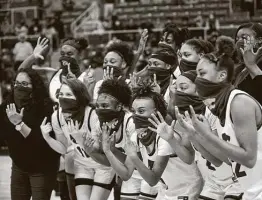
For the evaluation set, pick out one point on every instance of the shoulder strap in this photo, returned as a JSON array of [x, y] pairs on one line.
[[89, 118]]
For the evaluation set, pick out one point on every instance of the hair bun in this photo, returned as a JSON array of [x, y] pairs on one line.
[[144, 87], [225, 46], [83, 43]]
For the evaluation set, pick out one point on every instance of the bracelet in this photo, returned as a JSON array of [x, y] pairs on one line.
[[19, 123]]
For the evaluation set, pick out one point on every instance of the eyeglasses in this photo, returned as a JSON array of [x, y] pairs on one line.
[[23, 83]]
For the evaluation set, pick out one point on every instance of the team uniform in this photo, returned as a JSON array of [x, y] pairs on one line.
[[249, 179], [219, 182]]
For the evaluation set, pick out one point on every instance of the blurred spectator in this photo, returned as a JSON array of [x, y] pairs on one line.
[[35, 28], [131, 25], [159, 24], [59, 26], [21, 28], [248, 5], [148, 25], [49, 31], [116, 24], [68, 5], [199, 20], [212, 36], [22, 50], [212, 23]]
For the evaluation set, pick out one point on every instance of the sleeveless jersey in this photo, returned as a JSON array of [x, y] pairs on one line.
[[250, 179], [55, 84]]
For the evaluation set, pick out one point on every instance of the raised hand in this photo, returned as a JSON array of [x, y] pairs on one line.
[[165, 131], [89, 145], [89, 77], [14, 117], [108, 73], [200, 123], [70, 73], [156, 87], [42, 44], [130, 147], [46, 128], [184, 122], [143, 40], [134, 80], [172, 87], [108, 141], [248, 53]]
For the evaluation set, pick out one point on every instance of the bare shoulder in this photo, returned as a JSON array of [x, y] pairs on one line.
[[243, 104]]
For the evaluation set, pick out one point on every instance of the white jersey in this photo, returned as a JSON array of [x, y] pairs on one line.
[[55, 84], [182, 180], [250, 179]]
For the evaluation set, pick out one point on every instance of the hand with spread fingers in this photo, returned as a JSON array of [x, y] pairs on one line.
[[42, 44], [185, 122], [89, 77], [143, 40], [14, 117], [131, 148], [134, 80], [46, 128], [248, 53], [108, 141], [108, 73], [165, 131], [89, 145], [200, 123]]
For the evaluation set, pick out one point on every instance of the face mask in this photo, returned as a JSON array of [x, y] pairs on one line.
[[207, 89], [162, 76], [65, 61], [149, 138], [183, 101], [116, 71], [71, 106], [185, 65], [141, 121], [22, 96], [107, 115]]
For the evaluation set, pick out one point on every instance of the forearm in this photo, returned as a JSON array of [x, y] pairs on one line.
[[135, 60], [120, 155], [254, 71], [148, 175], [100, 158], [206, 154], [56, 145], [25, 130], [27, 63], [118, 166], [226, 150], [186, 154]]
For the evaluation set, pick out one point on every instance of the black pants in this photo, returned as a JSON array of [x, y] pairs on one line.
[[25, 185]]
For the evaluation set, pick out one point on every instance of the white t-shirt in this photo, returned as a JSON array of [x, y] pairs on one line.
[[22, 50]]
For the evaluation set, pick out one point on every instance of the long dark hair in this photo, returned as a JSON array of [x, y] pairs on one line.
[[40, 96]]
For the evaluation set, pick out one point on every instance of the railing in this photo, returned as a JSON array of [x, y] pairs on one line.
[[84, 15], [96, 38]]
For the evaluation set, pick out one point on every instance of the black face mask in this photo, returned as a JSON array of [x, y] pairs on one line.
[[162, 76], [22, 96], [142, 122], [107, 115], [65, 61], [71, 106], [185, 65]]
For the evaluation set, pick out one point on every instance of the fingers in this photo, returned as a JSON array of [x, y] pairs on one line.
[[152, 129], [69, 68], [44, 121], [171, 81], [44, 42], [155, 119], [38, 40], [173, 124], [155, 78], [111, 73], [160, 117], [187, 115], [22, 111], [153, 123], [193, 114]]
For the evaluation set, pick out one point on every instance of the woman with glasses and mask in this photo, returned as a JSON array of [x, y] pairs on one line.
[[238, 141], [34, 163], [248, 72]]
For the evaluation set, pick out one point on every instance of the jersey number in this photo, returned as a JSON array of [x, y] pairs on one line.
[[238, 172]]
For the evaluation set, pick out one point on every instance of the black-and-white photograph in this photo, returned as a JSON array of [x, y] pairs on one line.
[[130, 100]]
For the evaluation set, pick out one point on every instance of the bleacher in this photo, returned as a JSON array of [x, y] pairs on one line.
[[141, 12]]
